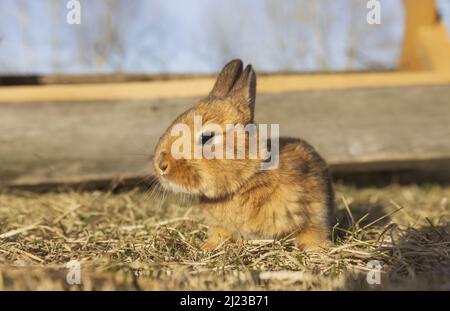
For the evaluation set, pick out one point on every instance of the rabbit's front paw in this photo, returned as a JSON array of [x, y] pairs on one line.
[[216, 237], [312, 239], [209, 245]]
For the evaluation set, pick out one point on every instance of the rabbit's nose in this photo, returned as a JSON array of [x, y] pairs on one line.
[[163, 163]]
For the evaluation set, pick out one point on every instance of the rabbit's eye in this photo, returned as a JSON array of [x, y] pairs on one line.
[[206, 137]]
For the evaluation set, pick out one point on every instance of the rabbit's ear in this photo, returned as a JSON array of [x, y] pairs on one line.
[[227, 78], [244, 90]]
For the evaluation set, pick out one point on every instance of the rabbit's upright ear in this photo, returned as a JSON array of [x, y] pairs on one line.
[[227, 78], [244, 91]]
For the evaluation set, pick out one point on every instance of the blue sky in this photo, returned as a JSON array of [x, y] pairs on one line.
[[152, 36]]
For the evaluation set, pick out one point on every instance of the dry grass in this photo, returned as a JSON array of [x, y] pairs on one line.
[[128, 241]]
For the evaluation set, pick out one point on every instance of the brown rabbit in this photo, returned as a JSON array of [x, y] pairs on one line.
[[238, 198]]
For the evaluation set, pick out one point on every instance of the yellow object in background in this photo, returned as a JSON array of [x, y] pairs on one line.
[[425, 45]]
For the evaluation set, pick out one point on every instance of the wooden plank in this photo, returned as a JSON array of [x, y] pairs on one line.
[[17, 80], [367, 129], [195, 87]]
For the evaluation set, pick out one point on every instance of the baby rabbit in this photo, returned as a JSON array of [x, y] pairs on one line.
[[240, 199]]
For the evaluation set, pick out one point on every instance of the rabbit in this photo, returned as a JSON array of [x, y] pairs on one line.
[[238, 198]]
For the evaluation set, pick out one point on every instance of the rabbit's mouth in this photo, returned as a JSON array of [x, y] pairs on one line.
[[168, 184]]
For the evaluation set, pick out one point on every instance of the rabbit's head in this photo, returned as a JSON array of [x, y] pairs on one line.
[[198, 154]]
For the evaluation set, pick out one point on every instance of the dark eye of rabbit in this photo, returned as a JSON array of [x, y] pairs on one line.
[[206, 137]]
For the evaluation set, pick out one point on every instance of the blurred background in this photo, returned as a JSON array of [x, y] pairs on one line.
[[87, 87], [150, 36]]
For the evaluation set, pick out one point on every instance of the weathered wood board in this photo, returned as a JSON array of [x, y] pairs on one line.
[[364, 130], [199, 86]]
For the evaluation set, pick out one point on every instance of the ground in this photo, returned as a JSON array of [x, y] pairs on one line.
[[138, 240]]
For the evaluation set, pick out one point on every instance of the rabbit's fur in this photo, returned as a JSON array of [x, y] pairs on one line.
[[238, 198]]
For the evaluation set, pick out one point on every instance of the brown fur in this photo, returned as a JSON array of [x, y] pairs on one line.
[[240, 199]]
